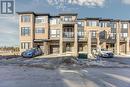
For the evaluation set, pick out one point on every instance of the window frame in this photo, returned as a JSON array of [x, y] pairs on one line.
[[92, 23], [124, 35], [25, 31], [122, 25], [80, 23], [24, 19], [81, 33], [104, 24], [56, 34], [54, 21], [93, 34], [39, 30], [67, 18], [41, 18], [25, 45]]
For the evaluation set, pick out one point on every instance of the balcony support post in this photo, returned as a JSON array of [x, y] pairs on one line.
[[118, 39], [89, 45], [127, 45], [98, 41], [46, 48], [61, 40], [75, 40]]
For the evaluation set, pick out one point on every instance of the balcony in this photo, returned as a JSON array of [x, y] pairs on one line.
[[122, 39], [111, 39], [54, 36], [68, 21], [82, 38], [68, 36], [94, 40]]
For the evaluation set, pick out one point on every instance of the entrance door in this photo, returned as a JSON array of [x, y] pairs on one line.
[[54, 49]]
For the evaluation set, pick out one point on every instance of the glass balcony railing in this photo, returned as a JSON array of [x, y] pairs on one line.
[[68, 34], [68, 21]]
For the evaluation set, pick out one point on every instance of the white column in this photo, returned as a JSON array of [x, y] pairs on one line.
[[46, 48], [89, 44], [98, 41], [75, 40], [118, 39], [61, 40], [127, 45]]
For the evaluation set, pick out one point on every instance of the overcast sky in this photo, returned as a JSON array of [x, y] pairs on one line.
[[118, 9]]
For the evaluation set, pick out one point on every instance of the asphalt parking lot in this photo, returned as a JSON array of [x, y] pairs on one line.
[[64, 72]]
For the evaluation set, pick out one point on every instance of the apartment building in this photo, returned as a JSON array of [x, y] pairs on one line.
[[65, 34]]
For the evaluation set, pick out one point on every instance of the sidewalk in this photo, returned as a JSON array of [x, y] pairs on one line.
[[125, 56]]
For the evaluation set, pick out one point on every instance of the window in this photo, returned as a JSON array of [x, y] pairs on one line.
[[104, 24], [124, 35], [39, 30], [55, 33], [40, 19], [113, 30], [67, 18], [93, 34], [80, 33], [124, 28], [92, 23], [80, 23], [25, 31], [25, 45], [124, 25], [113, 35], [25, 18], [68, 47], [68, 32], [113, 25], [81, 47], [54, 21]]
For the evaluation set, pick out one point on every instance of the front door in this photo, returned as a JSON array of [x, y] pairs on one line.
[[54, 49]]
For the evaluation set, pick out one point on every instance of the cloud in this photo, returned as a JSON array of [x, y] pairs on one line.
[[89, 3], [9, 31], [126, 2], [31, 5]]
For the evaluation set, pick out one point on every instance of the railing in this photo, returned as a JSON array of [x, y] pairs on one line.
[[82, 38], [122, 39], [68, 21], [111, 39], [68, 34]]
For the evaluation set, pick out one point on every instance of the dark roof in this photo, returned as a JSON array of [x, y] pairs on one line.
[[26, 12], [105, 19], [115, 20], [81, 19], [56, 16], [92, 18], [37, 14], [71, 14], [125, 20], [42, 14], [118, 20]]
